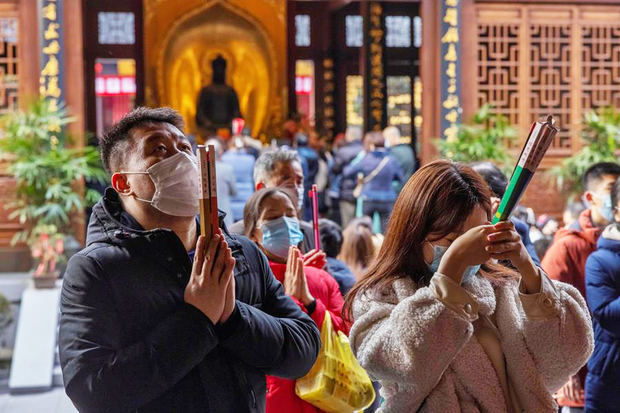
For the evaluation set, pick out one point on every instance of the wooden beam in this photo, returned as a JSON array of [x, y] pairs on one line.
[[74, 67], [73, 48], [28, 52], [429, 73], [469, 59], [561, 2]]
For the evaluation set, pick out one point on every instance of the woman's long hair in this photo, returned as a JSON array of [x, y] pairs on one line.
[[358, 249], [436, 201]]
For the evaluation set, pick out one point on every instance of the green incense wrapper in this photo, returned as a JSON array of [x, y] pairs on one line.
[[538, 141]]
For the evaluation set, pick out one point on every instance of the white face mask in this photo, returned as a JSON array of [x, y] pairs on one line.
[[176, 185]]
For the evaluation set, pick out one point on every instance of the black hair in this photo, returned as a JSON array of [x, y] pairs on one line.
[[331, 237], [594, 173], [493, 176], [114, 144]]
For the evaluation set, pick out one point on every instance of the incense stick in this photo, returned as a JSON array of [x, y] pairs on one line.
[[538, 141], [208, 191], [315, 216], [213, 190]]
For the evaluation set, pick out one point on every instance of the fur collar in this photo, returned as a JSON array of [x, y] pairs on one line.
[[480, 288]]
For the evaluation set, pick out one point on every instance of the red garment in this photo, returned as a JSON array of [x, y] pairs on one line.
[[566, 258], [566, 261], [281, 395]]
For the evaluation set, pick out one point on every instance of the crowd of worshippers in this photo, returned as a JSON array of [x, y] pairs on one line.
[[445, 311]]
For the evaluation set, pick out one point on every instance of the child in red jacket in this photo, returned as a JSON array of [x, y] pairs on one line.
[[270, 220]]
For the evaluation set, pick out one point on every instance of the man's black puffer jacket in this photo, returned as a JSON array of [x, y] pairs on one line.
[[129, 342]]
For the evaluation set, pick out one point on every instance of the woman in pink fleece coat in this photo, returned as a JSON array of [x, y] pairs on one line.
[[443, 326]]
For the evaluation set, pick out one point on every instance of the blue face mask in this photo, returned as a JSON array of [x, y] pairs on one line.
[[279, 234], [607, 210], [438, 252]]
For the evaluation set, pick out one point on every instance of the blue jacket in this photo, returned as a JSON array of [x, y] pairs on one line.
[[381, 187], [129, 342], [603, 296], [243, 167], [341, 273], [343, 158]]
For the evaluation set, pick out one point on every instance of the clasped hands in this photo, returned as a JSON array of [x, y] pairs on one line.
[[211, 287]]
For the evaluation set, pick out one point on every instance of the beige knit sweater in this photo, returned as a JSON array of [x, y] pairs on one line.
[[419, 344]]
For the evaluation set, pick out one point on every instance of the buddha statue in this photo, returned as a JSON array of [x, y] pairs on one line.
[[218, 103]]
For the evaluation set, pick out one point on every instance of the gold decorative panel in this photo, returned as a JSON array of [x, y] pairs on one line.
[[187, 63], [181, 39]]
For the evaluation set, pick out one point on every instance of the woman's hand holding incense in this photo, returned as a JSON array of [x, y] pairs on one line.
[[465, 251], [505, 244]]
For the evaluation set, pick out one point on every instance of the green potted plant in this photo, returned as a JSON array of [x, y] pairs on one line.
[[601, 140], [484, 139], [49, 174]]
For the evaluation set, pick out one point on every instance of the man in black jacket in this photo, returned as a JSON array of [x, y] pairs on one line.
[[142, 328]]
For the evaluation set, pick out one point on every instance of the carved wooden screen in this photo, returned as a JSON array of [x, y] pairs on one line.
[[8, 61], [9, 67], [535, 60]]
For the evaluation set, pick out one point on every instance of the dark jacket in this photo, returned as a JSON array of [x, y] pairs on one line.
[[129, 342], [341, 273], [342, 159], [405, 157], [603, 296], [381, 187]]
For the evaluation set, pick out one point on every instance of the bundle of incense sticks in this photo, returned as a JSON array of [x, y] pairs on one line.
[[315, 216], [540, 138], [208, 190]]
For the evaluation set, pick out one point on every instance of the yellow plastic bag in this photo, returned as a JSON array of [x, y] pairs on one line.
[[336, 382]]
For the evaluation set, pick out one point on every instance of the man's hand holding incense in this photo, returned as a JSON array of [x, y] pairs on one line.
[[211, 276]]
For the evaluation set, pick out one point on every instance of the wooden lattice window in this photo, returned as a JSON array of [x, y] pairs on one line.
[[535, 60], [8, 63], [498, 68], [600, 78]]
